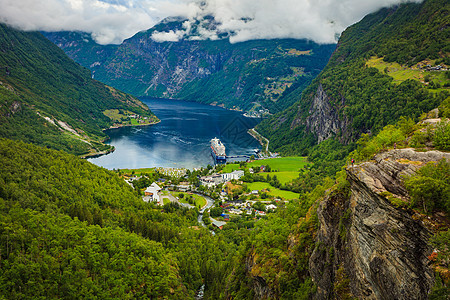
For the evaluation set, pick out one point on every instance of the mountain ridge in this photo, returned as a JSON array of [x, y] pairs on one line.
[[246, 76], [50, 100], [361, 98]]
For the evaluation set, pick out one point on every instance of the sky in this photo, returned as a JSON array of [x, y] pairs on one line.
[[112, 21]]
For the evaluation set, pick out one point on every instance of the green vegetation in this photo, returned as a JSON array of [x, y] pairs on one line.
[[430, 188], [262, 70], [49, 100], [367, 97], [69, 228], [401, 73], [272, 191], [278, 176], [189, 198], [282, 164]]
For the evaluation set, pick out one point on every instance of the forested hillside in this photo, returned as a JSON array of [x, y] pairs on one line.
[[48, 99], [70, 229], [392, 63], [250, 76]]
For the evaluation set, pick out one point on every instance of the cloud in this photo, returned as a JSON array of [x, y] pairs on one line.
[[169, 36], [111, 21]]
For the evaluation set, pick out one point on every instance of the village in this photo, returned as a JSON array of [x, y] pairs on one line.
[[221, 194]]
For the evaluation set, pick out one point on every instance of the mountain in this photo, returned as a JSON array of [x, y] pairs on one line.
[[249, 76], [70, 229], [392, 63], [48, 99]]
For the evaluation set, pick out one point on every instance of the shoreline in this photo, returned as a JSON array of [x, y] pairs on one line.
[[106, 152], [97, 154], [257, 136], [131, 125]]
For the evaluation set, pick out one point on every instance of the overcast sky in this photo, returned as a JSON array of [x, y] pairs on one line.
[[111, 21]]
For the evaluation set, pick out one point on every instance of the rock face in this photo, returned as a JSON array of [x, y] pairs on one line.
[[367, 248], [252, 74], [324, 120]]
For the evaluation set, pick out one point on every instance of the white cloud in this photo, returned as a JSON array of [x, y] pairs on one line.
[[111, 21], [169, 36]]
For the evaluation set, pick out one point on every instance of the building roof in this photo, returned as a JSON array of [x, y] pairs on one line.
[[156, 186], [219, 223], [153, 188]]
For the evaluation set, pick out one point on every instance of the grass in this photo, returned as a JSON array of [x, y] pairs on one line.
[[401, 73], [114, 114], [282, 164], [199, 200], [137, 172], [284, 177], [166, 201], [230, 168], [288, 195]]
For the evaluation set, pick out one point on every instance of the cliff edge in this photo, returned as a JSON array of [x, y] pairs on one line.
[[368, 248]]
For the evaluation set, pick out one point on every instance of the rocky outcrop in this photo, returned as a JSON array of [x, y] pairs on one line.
[[323, 119], [258, 284], [366, 247], [241, 75]]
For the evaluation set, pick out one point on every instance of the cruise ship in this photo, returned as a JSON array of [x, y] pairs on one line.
[[218, 151]]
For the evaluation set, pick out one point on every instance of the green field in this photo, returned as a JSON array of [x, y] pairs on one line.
[[401, 73], [288, 195], [230, 168], [199, 200], [137, 172], [114, 114], [282, 164], [283, 177]]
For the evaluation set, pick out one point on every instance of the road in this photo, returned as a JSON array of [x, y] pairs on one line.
[[209, 204]]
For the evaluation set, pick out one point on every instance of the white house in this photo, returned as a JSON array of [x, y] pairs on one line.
[[270, 206], [233, 175], [152, 192], [211, 180]]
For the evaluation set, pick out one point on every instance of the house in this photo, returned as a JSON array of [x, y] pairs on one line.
[[183, 187], [254, 192], [211, 180], [151, 193], [226, 216], [270, 206], [219, 224], [233, 175]]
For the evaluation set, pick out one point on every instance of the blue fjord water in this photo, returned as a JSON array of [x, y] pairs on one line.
[[181, 139]]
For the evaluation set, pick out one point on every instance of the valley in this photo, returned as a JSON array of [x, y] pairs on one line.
[[354, 202], [248, 76]]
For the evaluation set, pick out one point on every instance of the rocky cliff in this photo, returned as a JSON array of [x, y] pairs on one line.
[[323, 119], [351, 96], [366, 247], [250, 75]]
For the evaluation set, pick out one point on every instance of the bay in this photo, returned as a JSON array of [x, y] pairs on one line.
[[181, 139]]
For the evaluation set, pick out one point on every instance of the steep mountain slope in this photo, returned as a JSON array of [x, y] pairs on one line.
[[378, 73], [48, 99], [69, 228], [249, 76], [379, 230]]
